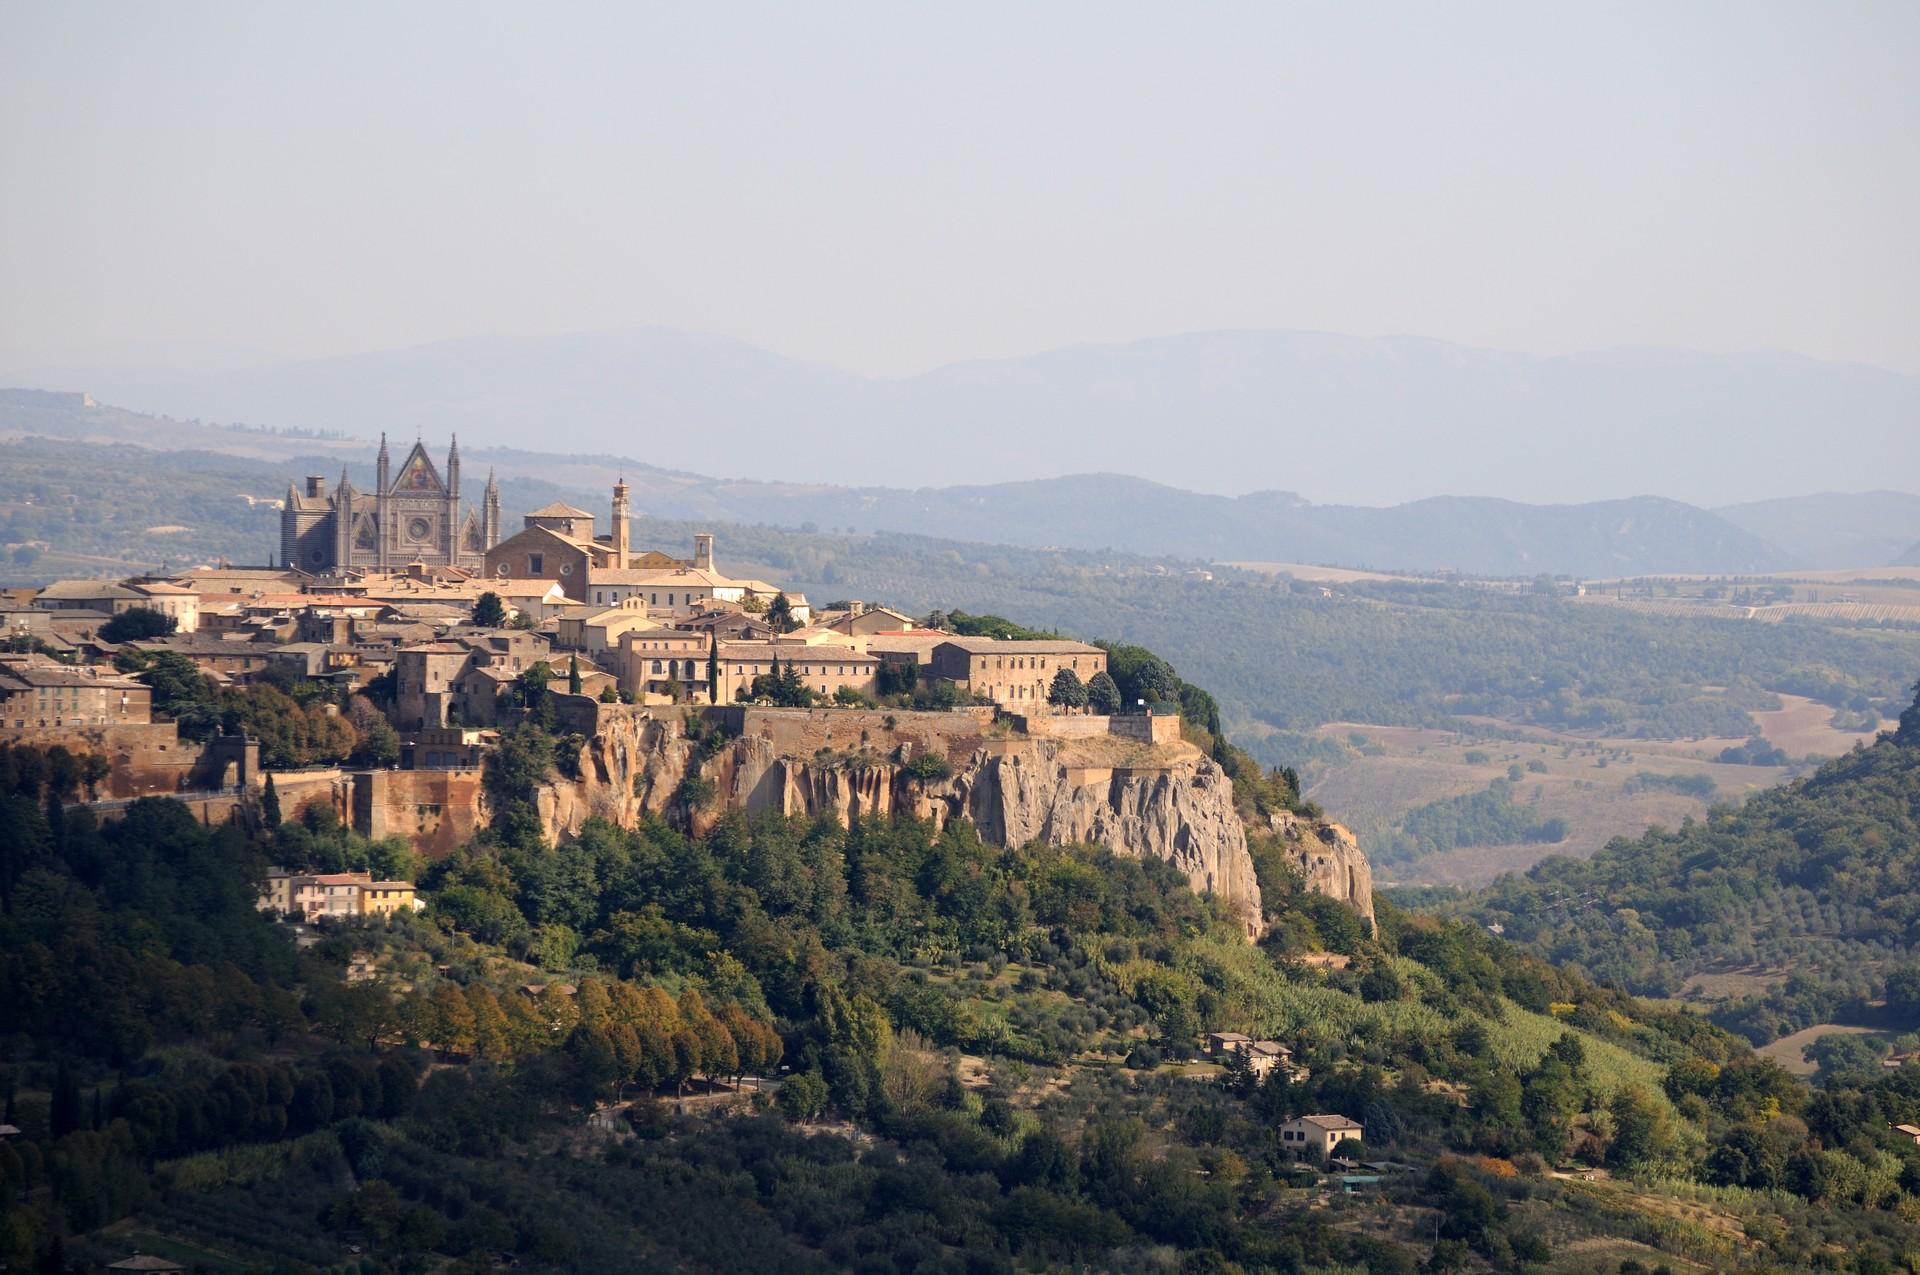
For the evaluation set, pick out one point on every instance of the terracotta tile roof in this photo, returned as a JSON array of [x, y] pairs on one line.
[[1041, 646]]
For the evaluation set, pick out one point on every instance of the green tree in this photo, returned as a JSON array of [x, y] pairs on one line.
[[780, 614], [64, 1112], [270, 804], [1067, 691], [803, 1096], [596, 1067], [136, 624], [713, 668], [573, 675], [94, 769], [379, 746], [182, 692], [1140, 674], [1909, 729], [490, 612], [1103, 694]]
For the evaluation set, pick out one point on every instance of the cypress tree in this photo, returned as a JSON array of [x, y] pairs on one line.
[[63, 1115], [713, 668], [270, 804], [573, 675], [56, 821]]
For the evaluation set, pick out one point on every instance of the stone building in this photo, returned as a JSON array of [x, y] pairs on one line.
[[414, 515], [1318, 1135], [38, 696], [459, 676], [1013, 674], [661, 663], [824, 667]]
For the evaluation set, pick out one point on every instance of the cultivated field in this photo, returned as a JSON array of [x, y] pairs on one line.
[[1597, 786], [1800, 727], [1787, 1050], [1318, 575]]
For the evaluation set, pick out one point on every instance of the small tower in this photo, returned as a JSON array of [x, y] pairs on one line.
[[382, 501], [703, 551], [452, 523], [343, 523], [490, 513], [619, 538]]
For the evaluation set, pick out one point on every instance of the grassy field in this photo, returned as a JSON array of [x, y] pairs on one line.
[[1319, 575], [1583, 781], [1787, 1050], [1729, 985], [1802, 728]]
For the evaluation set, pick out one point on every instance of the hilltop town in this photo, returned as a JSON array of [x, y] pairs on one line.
[[371, 670]]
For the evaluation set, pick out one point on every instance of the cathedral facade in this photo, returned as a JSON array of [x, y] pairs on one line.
[[413, 515]]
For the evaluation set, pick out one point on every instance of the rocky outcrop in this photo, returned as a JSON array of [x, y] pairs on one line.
[[1328, 859], [1168, 801]]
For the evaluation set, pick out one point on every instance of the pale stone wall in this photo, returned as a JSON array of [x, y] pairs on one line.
[[1150, 730], [327, 786], [1147, 730]]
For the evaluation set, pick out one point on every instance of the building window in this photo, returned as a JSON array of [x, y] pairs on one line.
[[536, 563]]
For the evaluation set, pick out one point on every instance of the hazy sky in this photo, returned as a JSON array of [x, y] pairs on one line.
[[892, 186]]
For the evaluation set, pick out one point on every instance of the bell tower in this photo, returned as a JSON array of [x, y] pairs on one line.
[[619, 538]]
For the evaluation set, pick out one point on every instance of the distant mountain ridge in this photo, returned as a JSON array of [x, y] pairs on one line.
[[1349, 419], [1087, 511], [1837, 529]]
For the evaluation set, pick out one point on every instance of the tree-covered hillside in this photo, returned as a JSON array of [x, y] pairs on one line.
[[999, 1039], [1814, 886], [1289, 658]]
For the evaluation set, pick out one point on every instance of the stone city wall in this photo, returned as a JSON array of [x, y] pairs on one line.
[[437, 811]]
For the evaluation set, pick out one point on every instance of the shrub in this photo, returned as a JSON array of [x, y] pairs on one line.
[[928, 767]]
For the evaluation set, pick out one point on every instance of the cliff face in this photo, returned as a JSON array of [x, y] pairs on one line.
[[1329, 860], [1168, 801]]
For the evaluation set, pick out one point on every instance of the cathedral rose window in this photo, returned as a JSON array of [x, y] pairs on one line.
[[418, 529]]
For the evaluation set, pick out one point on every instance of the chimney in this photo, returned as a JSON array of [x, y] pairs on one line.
[[315, 483], [703, 551]]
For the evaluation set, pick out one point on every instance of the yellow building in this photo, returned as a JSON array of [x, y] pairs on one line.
[[384, 898], [311, 896]]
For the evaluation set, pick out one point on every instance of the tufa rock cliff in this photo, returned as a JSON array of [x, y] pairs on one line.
[[1169, 801], [1328, 860]]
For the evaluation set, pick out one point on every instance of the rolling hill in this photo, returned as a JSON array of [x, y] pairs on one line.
[[1479, 536], [1347, 419], [1837, 529]]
